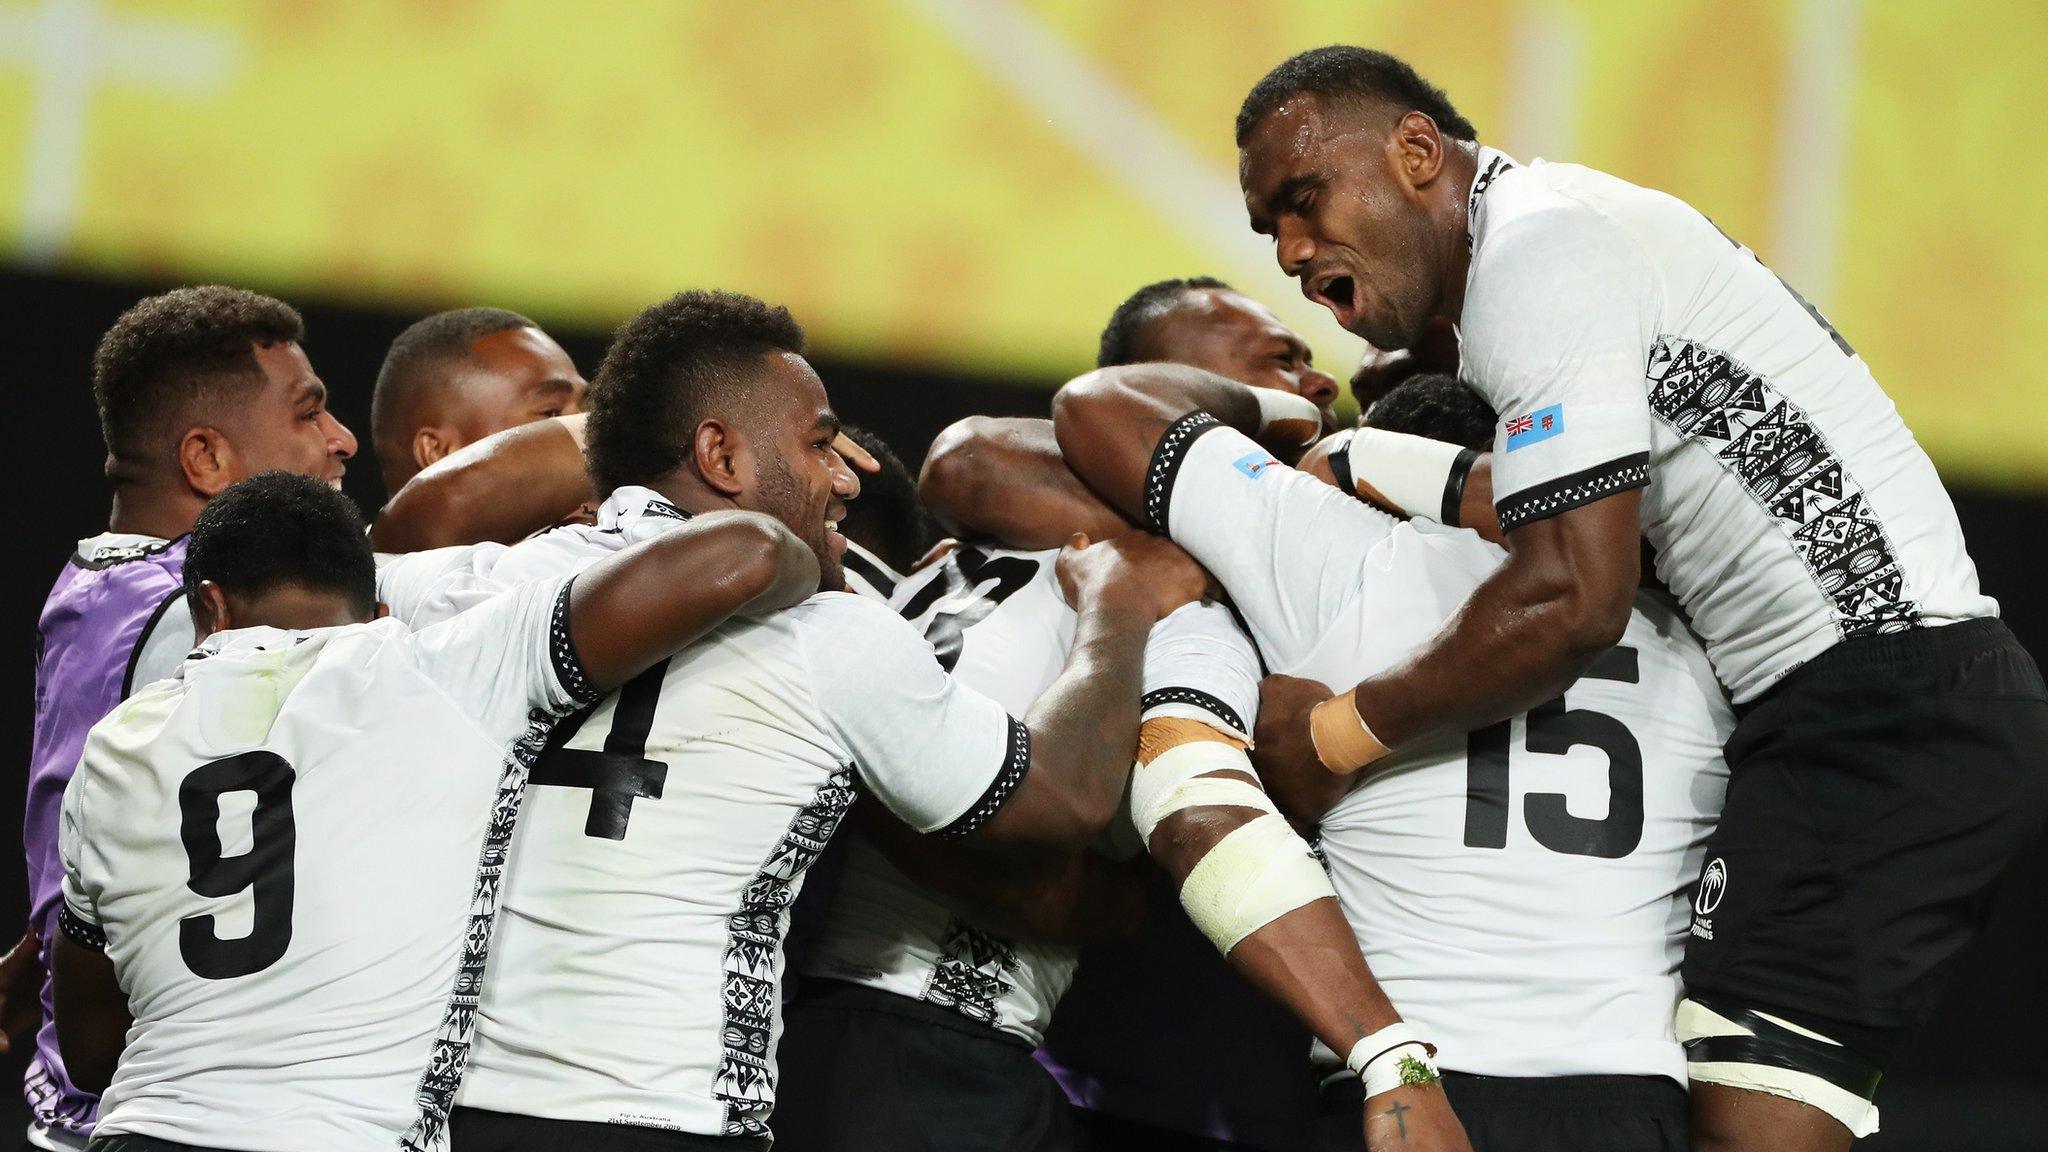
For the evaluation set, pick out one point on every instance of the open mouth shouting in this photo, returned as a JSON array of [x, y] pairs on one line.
[[1336, 291]]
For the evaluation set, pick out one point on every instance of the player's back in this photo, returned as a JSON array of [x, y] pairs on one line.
[[996, 620], [1789, 505], [279, 846], [1516, 890], [665, 835]]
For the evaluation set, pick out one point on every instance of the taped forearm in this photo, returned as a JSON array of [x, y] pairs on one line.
[[1259, 869]]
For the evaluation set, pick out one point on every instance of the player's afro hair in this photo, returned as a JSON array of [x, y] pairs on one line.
[[175, 358], [1437, 406], [1124, 336], [1341, 72], [669, 369], [278, 529], [887, 518]]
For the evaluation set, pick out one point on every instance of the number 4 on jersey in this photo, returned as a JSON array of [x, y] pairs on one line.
[[619, 774]]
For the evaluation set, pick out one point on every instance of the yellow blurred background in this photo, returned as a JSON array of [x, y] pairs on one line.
[[973, 184]]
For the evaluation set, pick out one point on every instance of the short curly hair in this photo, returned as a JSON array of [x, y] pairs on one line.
[[668, 370], [1437, 406], [1123, 337], [180, 357], [1339, 72], [279, 529]]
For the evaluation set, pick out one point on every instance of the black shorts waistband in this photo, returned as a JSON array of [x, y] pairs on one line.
[[826, 992], [1913, 647]]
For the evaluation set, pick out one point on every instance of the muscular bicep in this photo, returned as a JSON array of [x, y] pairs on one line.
[[642, 604], [1590, 555], [502, 488], [1111, 422], [1003, 479]]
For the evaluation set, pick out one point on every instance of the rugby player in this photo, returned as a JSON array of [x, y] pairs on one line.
[[196, 389], [1229, 1074], [1560, 1033], [307, 978], [937, 966], [1655, 379], [635, 999], [456, 377]]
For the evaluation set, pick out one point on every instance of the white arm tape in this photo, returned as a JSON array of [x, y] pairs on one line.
[[1411, 473], [1250, 878], [1276, 406], [1155, 787], [1376, 1059]]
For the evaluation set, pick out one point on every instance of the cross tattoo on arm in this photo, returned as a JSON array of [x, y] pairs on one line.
[[1400, 1114]]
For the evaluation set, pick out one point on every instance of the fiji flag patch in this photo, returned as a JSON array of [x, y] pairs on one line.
[[1536, 427], [1254, 464]]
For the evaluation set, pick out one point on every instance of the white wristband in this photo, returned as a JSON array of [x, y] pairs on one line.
[[1422, 477], [1377, 1059], [1302, 419]]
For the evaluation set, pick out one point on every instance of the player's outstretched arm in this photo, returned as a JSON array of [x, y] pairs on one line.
[[1109, 422], [1084, 725], [1002, 478], [92, 1013], [1248, 881], [640, 605], [502, 488]]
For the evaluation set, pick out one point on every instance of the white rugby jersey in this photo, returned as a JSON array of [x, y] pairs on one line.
[[279, 847], [1518, 892], [636, 978], [998, 622], [1625, 341]]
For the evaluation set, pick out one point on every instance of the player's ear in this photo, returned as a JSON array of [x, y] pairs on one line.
[[429, 445], [1418, 150], [717, 447], [210, 611], [383, 610], [207, 460]]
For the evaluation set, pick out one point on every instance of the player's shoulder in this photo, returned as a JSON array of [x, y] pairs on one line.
[[1535, 213], [115, 567], [845, 634], [1545, 206], [844, 613], [125, 551]]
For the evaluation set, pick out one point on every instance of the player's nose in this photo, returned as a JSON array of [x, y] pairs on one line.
[[845, 482], [340, 441], [1292, 247], [1318, 387]]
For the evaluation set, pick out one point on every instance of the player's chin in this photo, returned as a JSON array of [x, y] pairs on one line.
[[831, 551]]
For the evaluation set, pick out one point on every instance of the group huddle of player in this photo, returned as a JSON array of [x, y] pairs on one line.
[[1169, 735]]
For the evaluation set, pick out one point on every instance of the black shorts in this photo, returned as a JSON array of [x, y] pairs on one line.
[[862, 1070], [1875, 797], [1532, 1114], [1101, 1132], [478, 1130]]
